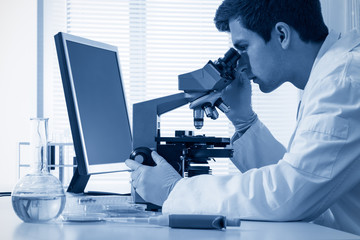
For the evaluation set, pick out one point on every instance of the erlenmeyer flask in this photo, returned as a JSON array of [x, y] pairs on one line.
[[38, 196]]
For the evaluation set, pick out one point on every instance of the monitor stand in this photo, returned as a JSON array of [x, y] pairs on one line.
[[78, 183]]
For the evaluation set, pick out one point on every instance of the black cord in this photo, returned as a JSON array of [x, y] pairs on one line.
[[5, 194], [96, 193]]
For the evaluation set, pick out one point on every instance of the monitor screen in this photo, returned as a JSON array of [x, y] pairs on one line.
[[96, 104]]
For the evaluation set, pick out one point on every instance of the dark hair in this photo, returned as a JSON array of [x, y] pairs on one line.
[[261, 16]]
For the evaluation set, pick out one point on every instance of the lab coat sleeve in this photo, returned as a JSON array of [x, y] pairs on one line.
[[321, 165], [251, 150]]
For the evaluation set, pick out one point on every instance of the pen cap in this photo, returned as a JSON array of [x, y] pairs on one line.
[[162, 220], [197, 221], [233, 222]]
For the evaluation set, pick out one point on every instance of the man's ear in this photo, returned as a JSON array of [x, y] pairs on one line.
[[283, 34]]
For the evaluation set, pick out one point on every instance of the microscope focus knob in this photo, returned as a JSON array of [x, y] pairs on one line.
[[143, 156]]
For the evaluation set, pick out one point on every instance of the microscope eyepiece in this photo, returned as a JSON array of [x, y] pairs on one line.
[[227, 65], [231, 57]]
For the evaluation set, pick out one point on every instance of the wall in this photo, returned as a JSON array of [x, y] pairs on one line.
[[17, 81]]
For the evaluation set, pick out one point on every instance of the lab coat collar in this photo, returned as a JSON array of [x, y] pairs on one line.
[[332, 37], [333, 46]]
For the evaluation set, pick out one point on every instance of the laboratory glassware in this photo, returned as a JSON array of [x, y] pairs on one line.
[[38, 196]]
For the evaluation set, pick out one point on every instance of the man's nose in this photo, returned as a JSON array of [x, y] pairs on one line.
[[243, 66], [243, 63]]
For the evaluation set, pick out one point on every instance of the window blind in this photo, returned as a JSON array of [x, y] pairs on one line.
[[157, 41]]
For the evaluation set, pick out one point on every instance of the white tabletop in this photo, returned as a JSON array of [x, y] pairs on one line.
[[13, 228]]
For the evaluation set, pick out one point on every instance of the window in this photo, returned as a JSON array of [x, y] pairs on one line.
[[157, 41], [341, 16]]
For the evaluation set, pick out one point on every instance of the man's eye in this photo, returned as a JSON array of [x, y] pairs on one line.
[[242, 48]]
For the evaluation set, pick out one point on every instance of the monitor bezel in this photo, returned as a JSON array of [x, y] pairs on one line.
[[84, 167]]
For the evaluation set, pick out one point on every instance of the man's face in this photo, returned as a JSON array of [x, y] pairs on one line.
[[264, 58]]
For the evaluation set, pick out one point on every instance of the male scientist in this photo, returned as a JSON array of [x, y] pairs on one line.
[[317, 178]]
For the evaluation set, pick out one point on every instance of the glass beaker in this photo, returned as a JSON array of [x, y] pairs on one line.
[[38, 196]]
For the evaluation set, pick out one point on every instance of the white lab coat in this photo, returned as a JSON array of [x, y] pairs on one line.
[[317, 178]]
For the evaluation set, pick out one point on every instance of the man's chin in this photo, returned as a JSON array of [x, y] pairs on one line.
[[265, 89]]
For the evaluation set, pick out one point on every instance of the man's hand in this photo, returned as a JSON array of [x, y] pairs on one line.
[[153, 184], [238, 97]]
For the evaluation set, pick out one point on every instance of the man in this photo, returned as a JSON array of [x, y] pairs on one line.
[[317, 178]]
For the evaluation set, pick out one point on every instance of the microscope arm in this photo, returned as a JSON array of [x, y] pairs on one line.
[[146, 115], [214, 76]]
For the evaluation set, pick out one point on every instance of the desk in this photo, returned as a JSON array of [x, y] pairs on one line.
[[13, 228]]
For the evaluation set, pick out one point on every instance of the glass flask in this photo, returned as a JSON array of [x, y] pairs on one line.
[[38, 196]]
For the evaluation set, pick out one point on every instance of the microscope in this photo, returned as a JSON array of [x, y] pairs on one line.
[[187, 153]]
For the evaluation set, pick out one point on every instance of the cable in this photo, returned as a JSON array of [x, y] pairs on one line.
[[5, 194]]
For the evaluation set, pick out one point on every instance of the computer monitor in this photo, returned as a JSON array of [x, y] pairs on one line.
[[96, 105]]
